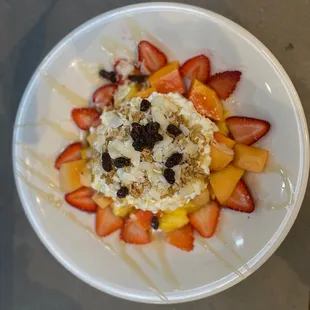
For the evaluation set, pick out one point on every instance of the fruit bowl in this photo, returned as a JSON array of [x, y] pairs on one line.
[[158, 273]]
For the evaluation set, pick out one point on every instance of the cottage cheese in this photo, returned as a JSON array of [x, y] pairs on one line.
[[148, 188]]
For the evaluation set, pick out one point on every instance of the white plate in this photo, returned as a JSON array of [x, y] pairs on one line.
[[159, 273]]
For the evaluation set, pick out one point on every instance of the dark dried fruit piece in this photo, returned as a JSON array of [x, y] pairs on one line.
[[150, 141], [106, 161], [138, 146], [137, 131], [121, 162], [122, 192], [155, 222], [174, 130], [109, 75], [158, 137], [169, 176], [144, 105], [152, 127], [139, 78], [173, 160]]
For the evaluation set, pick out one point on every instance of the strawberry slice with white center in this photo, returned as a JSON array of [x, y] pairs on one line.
[[82, 199], [197, 68], [182, 238], [247, 130], [241, 199], [104, 96], [224, 83], [85, 117], [205, 219], [71, 153], [134, 234], [151, 57], [107, 222]]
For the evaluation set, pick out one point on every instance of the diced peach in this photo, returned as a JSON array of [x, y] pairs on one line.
[[250, 158], [168, 79], [101, 200], [221, 156], [224, 182], [220, 138], [145, 93], [69, 175], [85, 177], [206, 101]]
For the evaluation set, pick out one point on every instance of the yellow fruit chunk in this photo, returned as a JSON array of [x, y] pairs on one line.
[[69, 175], [134, 89], [123, 211], [190, 207], [202, 199], [173, 220], [221, 156], [224, 182], [85, 177], [206, 101], [90, 139], [250, 158], [145, 93], [101, 200], [223, 128], [221, 138]]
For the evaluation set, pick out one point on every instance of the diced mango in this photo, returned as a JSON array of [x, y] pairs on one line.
[[86, 177], [101, 200], [226, 114], [211, 191], [122, 211], [173, 220], [69, 175], [134, 89], [168, 79], [250, 158], [224, 182], [206, 101], [190, 207], [145, 93], [202, 199], [220, 138], [221, 156], [91, 138], [223, 128]]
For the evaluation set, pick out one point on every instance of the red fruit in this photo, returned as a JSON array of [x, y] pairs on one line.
[[182, 238], [70, 153], [133, 233], [104, 95], [107, 222], [85, 117], [82, 199], [241, 199], [247, 130], [224, 83], [143, 219], [205, 219], [197, 68], [151, 57]]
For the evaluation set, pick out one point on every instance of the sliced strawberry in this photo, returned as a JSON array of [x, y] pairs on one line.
[[224, 83], [85, 117], [143, 219], [151, 57], [197, 68], [182, 238], [123, 68], [107, 222], [104, 95], [70, 153], [247, 130], [82, 199], [132, 233], [205, 219], [241, 199]]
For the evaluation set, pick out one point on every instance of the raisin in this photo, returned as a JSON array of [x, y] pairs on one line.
[[158, 137], [121, 162], [144, 105], [137, 131], [174, 130], [122, 192], [109, 75], [138, 78], [173, 160], [152, 127], [138, 146], [150, 141], [106, 161], [169, 176], [155, 222]]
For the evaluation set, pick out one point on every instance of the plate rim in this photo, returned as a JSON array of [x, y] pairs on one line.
[[276, 239]]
